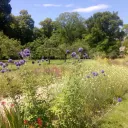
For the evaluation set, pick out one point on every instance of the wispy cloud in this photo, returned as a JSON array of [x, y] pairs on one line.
[[69, 5], [91, 8], [37, 5], [54, 5], [51, 5]]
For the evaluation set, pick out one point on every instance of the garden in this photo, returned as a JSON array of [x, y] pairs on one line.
[[73, 94], [71, 72]]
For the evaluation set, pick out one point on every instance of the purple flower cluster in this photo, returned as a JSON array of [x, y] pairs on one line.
[[119, 99], [94, 74], [4, 67], [67, 51], [19, 63], [80, 50], [10, 61], [85, 56], [25, 53], [73, 54]]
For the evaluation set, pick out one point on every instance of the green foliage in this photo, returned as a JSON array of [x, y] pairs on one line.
[[8, 47], [63, 96], [47, 26], [34, 106], [82, 100], [104, 32], [125, 43], [5, 10], [21, 27], [71, 26], [12, 117], [111, 119]]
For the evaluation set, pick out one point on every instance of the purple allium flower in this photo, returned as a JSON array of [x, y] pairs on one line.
[[73, 54], [1, 63], [21, 62], [10, 60], [2, 71], [85, 55], [4, 65], [67, 51], [119, 99], [26, 50], [24, 53], [17, 63], [95, 73], [27, 54], [80, 50], [102, 71]]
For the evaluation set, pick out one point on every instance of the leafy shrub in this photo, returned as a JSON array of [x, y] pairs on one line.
[[8, 47]]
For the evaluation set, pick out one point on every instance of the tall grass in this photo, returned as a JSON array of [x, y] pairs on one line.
[[77, 97]]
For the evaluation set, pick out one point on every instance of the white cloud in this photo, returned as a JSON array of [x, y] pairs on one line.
[[51, 5], [69, 5], [91, 8], [37, 5]]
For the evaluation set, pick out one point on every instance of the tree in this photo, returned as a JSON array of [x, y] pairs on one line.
[[25, 26], [47, 26], [21, 27], [8, 47], [71, 26], [37, 33], [12, 28], [5, 10], [104, 32], [125, 28]]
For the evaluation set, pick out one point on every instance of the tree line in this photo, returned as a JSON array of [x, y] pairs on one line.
[[101, 34]]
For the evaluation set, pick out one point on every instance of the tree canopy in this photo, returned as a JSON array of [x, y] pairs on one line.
[[101, 33], [5, 10]]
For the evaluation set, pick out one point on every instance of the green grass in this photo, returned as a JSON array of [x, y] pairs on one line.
[[117, 117]]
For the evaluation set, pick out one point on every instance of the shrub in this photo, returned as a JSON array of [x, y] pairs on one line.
[[8, 47]]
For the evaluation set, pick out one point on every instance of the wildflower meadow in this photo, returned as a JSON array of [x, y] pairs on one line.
[[72, 94]]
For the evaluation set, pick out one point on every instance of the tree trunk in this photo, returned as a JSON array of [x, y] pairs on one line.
[[49, 58], [65, 57]]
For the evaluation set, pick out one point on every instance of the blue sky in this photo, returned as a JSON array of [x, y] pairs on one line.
[[41, 9]]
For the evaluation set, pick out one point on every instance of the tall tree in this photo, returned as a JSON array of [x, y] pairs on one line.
[[71, 26], [25, 26], [47, 26], [21, 27], [5, 10], [104, 31]]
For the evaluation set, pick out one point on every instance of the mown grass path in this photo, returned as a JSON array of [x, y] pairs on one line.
[[118, 117]]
